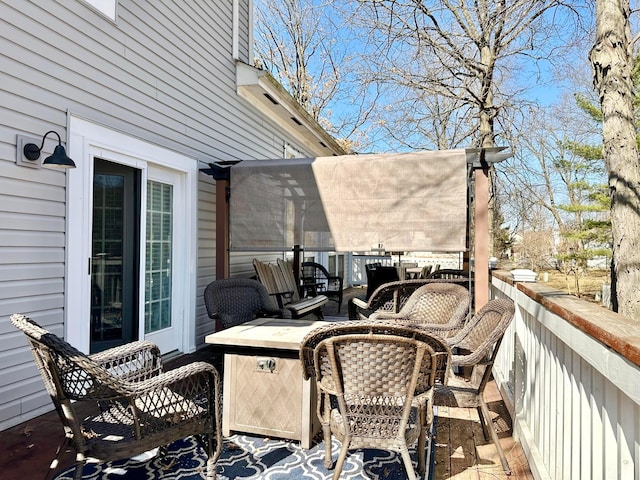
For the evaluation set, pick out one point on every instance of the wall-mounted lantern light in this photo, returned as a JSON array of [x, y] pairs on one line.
[[58, 159]]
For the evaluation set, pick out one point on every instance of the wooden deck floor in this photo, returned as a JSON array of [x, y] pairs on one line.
[[461, 451]]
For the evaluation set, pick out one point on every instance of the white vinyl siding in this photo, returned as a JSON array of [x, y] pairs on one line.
[[162, 72], [107, 7]]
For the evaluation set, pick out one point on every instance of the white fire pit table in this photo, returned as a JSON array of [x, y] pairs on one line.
[[263, 388]]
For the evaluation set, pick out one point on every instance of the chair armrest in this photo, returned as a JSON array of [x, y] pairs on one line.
[[445, 330], [385, 315], [187, 394], [358, 309], [176, 377], [277, 312], [280, 296], [359, 303], [187, 379], [134, 361]]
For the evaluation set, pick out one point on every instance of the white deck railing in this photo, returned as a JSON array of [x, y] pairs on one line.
[[568, 370], [356, 274]]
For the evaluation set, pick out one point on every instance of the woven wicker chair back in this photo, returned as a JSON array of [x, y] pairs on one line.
[[239, 300], [480, 334], [438, 306], [442, 352], [391, 297]]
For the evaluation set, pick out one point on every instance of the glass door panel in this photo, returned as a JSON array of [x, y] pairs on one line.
[[113, 255], [159, 249]]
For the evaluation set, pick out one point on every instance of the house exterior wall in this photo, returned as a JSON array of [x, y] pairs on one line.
[[162, 72]]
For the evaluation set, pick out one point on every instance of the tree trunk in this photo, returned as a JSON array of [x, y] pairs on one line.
[[612, 61], [487, 114]]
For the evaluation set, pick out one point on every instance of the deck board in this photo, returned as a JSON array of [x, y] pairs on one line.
[[462, 452]]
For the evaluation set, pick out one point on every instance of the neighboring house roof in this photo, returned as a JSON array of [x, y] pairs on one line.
[[261, 89]]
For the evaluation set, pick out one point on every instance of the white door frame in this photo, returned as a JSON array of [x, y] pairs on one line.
[[167, 336], [87, 141]]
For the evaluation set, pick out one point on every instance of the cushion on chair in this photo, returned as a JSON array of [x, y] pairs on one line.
[[307, 305]]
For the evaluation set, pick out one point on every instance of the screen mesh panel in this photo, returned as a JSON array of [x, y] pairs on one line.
[[397, 202]]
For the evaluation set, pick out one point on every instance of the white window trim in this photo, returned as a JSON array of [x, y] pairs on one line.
[[87, 141], [106, 7]]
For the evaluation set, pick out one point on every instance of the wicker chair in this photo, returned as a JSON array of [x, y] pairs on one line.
[[232, 301], [449, 273], [476, 346], [440, 307], [119, 403], [389, 297], [323, 282], [375, 382], [452, 274]]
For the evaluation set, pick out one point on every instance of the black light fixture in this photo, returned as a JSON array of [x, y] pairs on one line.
[[59, 159]]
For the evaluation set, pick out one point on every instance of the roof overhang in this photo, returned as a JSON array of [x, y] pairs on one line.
[[263, 91]]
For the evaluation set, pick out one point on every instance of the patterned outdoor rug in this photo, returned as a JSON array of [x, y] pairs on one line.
[[247, 457]]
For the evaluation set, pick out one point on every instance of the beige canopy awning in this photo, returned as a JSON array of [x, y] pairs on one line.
[[395, 202]]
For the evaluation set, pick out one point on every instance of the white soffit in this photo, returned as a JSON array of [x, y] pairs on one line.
[[269, 97]]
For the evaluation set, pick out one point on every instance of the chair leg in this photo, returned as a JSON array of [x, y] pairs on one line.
[[483, 423], [214, 448], [56, 460], [80, 461], [422, 440], [341, 458], [408, 465], [484, 412], [328, 458], [211, 469]]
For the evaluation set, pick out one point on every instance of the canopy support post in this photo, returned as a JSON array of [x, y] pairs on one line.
[[481, 235], [297, 250], [221, 174], [222, 228]]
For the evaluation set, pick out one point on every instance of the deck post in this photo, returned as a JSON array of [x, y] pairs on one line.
[[481, 236], [222, 228]]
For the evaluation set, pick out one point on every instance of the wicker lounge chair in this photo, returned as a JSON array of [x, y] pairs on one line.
[[375, 382], [440, 307], [476, 346], [232, 301], [134, 406], [322, 282]]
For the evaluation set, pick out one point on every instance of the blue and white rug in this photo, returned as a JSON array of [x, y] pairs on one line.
[[247, 457]]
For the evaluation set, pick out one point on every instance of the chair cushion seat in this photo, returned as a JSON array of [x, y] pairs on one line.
[[307, 305]]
